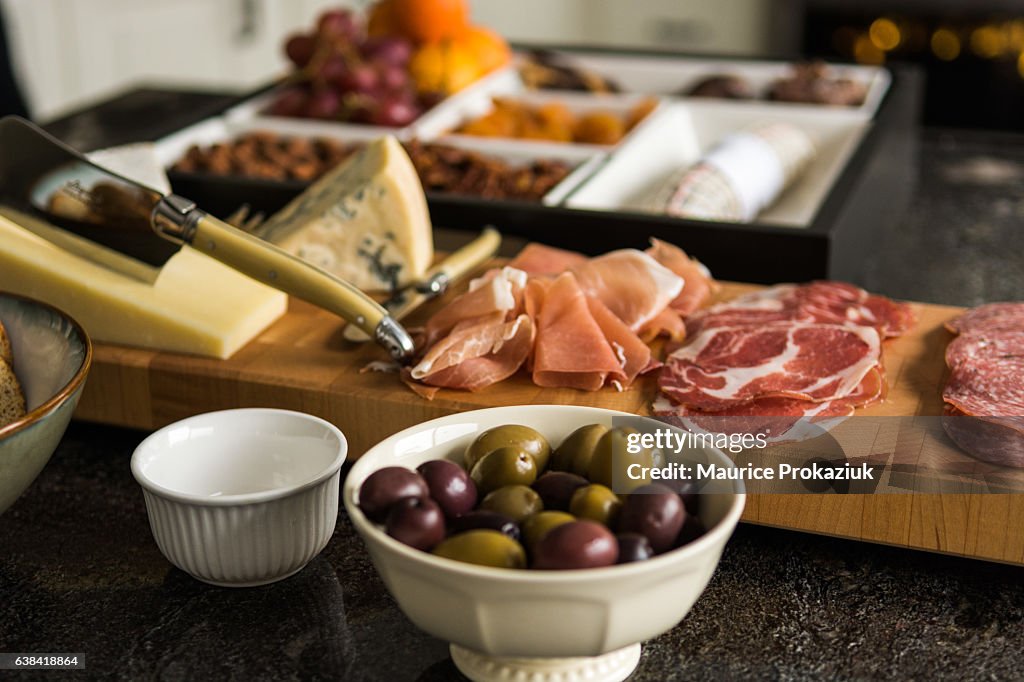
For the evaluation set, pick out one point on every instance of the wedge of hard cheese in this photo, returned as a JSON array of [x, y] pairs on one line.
[[195, 306], [366, 221]]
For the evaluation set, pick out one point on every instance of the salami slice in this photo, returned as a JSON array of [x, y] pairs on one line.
[[989, 318], [987, 377]]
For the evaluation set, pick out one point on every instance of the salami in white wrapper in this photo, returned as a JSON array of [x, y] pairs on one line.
[[744, 174]]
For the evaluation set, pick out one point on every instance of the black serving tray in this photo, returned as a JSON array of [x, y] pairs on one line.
[[869, 197]]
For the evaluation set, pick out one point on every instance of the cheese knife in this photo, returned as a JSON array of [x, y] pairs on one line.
[[436, 280], [53, 190]]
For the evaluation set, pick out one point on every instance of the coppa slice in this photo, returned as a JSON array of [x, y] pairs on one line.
[[725, 367]]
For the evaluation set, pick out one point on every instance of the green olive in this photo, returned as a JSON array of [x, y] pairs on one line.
[[509, 435], [514, 501], [576, 450], [610, 465], [484, 548], [538, 525], [504, 466], [597, 503]]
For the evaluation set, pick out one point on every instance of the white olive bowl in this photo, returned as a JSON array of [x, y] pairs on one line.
[[528, 614], [244, 497]]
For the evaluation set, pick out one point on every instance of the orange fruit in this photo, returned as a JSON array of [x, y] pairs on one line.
[[427, 21], [491, 50], [381, 20]]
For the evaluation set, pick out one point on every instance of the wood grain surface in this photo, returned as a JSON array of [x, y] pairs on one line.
[[302, 363]]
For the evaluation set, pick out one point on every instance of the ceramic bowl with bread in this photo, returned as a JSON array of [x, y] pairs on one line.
[[502, 621], [44, 359]]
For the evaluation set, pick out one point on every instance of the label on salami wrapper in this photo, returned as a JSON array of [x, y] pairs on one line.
[[752, 168]]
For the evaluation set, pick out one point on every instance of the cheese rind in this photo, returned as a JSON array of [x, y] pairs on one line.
[[196, 305], [366, 221]]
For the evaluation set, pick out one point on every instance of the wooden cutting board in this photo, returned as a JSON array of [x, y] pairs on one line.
[[303, 363]]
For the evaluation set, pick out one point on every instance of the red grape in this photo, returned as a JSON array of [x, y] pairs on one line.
[[340, 24], [290, 102], [362, 78], [324, 104], [395, 112], [333, 70], [393, 77], [299, 49], [388, 50]]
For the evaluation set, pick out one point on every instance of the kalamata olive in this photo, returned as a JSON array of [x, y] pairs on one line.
[[597, 503], [656, 512], [484, 548], [576, 450], [633, 547], [505, 466], [610, 465], [689, 492], [417, 522], [514, 501], [509, 435], [556, 488], [484, 519], [450, 486], [580, 544], [692, 529], [384, 487], [540, 524]]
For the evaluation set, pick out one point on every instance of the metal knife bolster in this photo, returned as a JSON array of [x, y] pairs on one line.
[[175, 218], [392, 336]]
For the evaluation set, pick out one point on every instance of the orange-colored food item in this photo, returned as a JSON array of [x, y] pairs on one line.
[[555, 122], [382, 19], [490, 49], [428, 21], [442, 67]]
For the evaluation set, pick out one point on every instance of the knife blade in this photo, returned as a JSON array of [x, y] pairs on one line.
[[436, 280], [59, 187]]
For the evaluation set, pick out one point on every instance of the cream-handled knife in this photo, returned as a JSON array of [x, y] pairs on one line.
[[436, 280]]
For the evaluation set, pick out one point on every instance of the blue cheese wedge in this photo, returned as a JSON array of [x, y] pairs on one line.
[[366, 221]]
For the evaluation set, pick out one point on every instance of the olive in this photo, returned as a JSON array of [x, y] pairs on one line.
[[509, 435], [692, 529], [656, 512], [482, 519], [417, 522], [610, 465], [484, 548], [540, 524], [576, 450], [689, 492], [633, 547], [580, 544], [556, 488], [384, 487], [597, 503], [450, 486], [514, 501], [504, 466]]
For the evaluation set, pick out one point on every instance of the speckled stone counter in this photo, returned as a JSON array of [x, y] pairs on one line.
[[79, 571]]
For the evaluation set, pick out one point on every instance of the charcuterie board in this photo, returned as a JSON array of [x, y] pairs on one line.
[[302, 362]]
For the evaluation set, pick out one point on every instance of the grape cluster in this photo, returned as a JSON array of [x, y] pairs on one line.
[[344, 75]]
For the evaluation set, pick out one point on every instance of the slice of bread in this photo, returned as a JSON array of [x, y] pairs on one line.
[[12, 400], [5, 346]]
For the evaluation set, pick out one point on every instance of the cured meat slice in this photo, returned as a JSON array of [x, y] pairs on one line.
[[668, 322], [987, 377], [825, 302], [571, 350], [498, 291], [988, 318], [538, 260], [729, 366], [999, 440], [634, 355], [503, 359], [698, 285], [634, 286]]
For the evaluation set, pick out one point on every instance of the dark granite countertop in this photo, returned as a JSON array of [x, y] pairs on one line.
[[79, 571]]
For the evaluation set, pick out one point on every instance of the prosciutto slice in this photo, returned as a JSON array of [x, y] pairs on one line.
[[505, 355], [725, 367], [698, 285], [498, 291], [538, 260], [634, 286], [571, 349]]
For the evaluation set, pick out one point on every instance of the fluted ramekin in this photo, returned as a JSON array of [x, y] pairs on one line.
[[242, 497]]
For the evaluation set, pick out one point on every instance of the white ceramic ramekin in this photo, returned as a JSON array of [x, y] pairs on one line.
[[242, 497]]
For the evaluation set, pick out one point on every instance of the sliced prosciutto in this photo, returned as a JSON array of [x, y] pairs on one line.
[[498, 291], [505, 354], [697, 283], [634, 286], [538, 260], [571, 349], [725, 367]]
